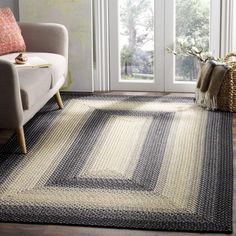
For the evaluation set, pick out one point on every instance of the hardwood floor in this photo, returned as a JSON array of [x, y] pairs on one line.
[[55, 230]]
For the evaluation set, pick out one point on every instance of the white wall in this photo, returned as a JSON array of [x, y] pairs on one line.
[[76, 15], [13, 4]]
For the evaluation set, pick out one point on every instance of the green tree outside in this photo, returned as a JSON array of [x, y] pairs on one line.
[[138, 26]]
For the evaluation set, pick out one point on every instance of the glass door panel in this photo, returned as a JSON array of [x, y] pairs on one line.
[[193, 28], [136, 40], [191, 23]]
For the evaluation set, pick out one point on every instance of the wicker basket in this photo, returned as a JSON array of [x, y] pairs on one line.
[[226, 98]]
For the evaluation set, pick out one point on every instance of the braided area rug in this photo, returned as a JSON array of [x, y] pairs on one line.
[[159, 163]]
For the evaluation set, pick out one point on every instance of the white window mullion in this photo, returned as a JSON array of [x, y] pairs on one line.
[[159, 67], [234, 27], [227, 33], [101, 64], [215, 27]]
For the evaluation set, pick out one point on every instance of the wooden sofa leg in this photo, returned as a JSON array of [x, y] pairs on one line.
[[21, 139], [59, 100]]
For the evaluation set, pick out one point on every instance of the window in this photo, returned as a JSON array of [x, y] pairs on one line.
[[140, 32], [137, 39], [193, 26]]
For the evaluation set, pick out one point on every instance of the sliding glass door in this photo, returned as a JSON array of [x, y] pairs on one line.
[[140, 32]]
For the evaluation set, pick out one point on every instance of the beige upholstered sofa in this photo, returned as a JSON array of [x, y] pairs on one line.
[[23, 92]]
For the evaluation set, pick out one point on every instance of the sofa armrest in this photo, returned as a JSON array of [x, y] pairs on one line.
[[11, 111], [45, 37]]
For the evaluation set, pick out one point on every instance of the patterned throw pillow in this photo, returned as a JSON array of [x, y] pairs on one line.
[[11, 39]]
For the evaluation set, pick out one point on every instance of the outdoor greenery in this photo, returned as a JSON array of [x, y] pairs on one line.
[[192, 28], [138, 27]]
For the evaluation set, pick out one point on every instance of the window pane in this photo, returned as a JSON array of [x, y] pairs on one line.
[[137, 39], [193, 25]]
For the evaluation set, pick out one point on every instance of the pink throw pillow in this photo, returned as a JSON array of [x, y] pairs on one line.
[[11, 39]]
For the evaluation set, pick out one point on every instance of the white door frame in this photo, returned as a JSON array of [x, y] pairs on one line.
[[164, 69]]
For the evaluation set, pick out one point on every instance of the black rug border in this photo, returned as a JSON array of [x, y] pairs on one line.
[[117, 228]]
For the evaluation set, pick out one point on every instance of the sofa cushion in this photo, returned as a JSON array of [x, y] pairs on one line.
[[36, 82], [11, 39], [58, 62]]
